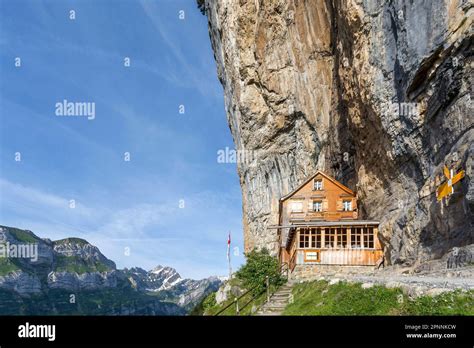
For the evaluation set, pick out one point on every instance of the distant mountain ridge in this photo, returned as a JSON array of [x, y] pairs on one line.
[[167, 284], [74, 267]]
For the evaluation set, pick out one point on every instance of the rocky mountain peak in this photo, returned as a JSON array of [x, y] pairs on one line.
[[163, 278], [80, 248]]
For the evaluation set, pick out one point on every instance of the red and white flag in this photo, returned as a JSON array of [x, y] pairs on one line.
[[228, 257], [228, 247]]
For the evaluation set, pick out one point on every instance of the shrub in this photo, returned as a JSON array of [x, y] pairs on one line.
[[259, 265], [209, 301]]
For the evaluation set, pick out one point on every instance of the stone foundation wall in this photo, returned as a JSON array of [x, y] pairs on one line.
[[308, 272]]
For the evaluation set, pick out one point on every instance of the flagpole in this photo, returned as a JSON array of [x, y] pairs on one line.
[[228, 257]]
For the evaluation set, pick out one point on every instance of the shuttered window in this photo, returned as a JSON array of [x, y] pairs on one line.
[[296, 207]]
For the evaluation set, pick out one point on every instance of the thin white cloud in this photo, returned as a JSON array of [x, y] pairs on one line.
[[31, 198], [141, 227], [133, 222], [198, 76]]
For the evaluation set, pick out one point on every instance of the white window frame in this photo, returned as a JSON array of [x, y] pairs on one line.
[[318, 184], [347, 205], [318, 204]]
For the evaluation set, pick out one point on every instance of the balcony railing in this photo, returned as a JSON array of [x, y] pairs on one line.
[[324, 215]]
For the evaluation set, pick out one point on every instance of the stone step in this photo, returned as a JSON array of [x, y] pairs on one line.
[[280, 297], [273, 310], [282, 294], [275, 305], [270, 313], [275, 302], [279, 312], [278, 300]]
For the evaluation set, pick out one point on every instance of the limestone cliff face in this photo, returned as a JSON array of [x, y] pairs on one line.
[[314, 85]]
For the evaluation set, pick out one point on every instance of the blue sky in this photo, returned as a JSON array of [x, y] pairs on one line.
[[136, 204]]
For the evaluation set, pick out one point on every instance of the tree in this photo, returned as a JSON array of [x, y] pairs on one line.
[[259, 265]]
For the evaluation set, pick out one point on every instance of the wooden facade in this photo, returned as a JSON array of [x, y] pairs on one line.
[[318, 225]]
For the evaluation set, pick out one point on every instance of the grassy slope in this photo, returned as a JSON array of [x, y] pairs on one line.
[[320, 298], [78, 265], [23, 236], [7, 266], [208, 306]]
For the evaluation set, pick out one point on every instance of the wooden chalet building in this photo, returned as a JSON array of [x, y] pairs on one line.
[[318, 225]]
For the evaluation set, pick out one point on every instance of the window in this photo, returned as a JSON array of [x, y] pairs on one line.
[[347, 205], [337, 237], [317, 206], [341, 238], [296, 207], [356, 238], [310, 238], [329, 237], [304, 238], [316, 238], [368, 237], [318, 184]]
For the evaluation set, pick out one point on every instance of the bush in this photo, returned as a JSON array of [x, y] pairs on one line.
[[209, 301], [259, 265]]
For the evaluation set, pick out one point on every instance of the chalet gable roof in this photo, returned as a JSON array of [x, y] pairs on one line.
[[334, 181]]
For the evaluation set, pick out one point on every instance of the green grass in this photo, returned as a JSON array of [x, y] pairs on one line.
[[74, 240], [452, 303], [209, 306], [7, 266], [320, 298], [78, 265], [212, 308], [22, 235]]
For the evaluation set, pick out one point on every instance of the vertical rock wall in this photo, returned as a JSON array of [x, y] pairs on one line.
[[312, 84]]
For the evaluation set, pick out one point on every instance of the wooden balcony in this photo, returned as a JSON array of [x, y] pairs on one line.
[[325, 215]]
